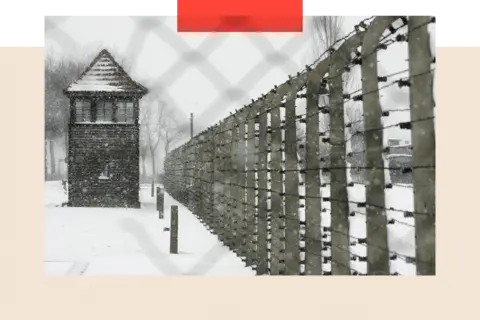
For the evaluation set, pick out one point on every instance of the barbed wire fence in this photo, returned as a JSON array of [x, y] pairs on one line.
[[242, 176]]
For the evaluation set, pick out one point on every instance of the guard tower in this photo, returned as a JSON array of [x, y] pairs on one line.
[[103, 136]]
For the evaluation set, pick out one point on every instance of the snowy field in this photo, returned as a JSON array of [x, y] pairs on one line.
[[102, 241]]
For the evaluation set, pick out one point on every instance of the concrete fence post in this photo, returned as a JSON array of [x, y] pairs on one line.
[[160, 202], [174, 229]]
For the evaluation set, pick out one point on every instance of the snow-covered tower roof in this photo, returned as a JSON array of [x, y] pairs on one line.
[[105, 76]]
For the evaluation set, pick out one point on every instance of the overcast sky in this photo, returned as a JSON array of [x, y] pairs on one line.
[[151, 55]]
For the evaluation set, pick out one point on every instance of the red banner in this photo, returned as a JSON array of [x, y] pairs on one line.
[[247, 23], [239, 16], [239, 7]]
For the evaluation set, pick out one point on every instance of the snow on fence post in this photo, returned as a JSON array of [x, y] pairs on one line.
[[251, 207], [196, 163], [240, 176], [292, 203], [201, 179], [313, 202], [378, 260], [219, 186], [160, 202], [242, 182], [181, 158], [277, 265], [210, 178], [174, 229], [234, 187], [227, 162], [190, 173], [262, 233], [423, 142], [186, 174], [340, 231], [215, 178]]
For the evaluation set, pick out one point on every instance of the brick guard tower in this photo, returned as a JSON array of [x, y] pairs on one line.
[[103, 136]]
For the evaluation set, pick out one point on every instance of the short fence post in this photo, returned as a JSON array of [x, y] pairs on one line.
[[153, 187], [160, 201], [174, 229]]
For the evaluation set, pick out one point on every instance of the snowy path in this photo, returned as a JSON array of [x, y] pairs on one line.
[[104, 241]]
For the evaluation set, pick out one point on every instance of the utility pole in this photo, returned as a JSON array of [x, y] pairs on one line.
[[191, 125]]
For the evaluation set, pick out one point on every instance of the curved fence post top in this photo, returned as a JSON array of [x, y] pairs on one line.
[[252, 109], [374, 32], [349, 45], [346, 47], [295, 84], [280, 93], [269, 98]]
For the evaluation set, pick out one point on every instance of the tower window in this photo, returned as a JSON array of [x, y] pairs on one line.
[[82, 110], [104, 111], [124, 112]]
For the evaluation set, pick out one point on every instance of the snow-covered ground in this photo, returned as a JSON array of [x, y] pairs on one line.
[[104, 241], [401, 230]]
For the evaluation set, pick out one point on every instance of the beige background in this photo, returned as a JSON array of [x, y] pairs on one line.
[[25, 293]]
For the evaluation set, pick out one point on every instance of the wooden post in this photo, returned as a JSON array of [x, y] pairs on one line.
[[174, 229], [160, 201], [153, 187]]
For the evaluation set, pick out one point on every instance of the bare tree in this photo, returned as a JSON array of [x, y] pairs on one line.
[[158, 124], [143, 153], [326, 32], [151, 121], [59, 73]]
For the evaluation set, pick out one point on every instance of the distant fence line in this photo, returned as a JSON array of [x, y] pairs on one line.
[[242, 177]]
